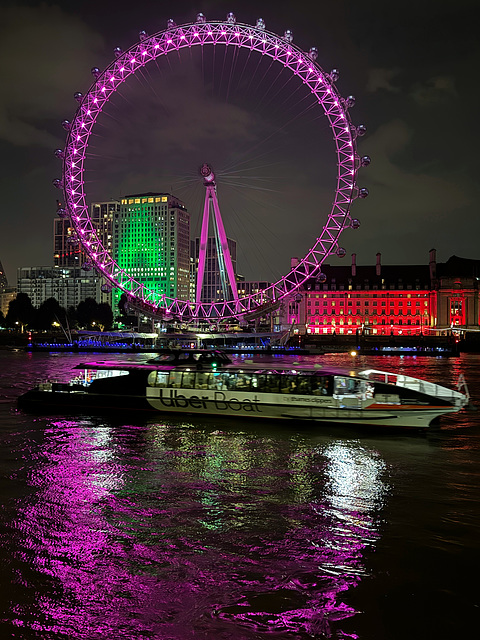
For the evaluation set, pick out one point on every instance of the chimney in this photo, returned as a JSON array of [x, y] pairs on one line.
[[378, 267], [354, 264], [433, 264]]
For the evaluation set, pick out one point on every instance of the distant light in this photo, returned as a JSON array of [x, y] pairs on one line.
[[353, 353]]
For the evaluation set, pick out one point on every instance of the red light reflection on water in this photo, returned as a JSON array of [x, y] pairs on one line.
[[177, 533]]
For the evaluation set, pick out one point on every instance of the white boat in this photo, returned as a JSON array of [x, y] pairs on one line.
[[207, 383]]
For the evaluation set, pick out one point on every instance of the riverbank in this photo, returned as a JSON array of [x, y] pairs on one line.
[[365, 345]]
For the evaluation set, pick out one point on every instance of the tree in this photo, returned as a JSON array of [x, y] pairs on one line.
[[72, 319], [91, 314], [2, 319], [48, 313], [87, 312], [105, 315], [21, 312], [128, 318]]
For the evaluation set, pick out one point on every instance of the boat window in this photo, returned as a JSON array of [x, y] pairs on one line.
[[203, 380], [347, 386], [303, 385], [288, 384], [96, 374], [219, 381], [175, 379], [321, 386], [188, 380], [163, 358], [266, 383], [239, 381], [158, 379]]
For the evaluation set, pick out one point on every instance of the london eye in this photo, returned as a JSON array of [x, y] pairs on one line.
[[258, 41]]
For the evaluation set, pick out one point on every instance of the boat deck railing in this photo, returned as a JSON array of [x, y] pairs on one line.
[[416, 384]]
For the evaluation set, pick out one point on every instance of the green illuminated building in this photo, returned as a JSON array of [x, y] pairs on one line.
[[152, 243]]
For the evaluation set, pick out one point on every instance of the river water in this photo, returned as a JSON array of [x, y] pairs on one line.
[[177, 529]]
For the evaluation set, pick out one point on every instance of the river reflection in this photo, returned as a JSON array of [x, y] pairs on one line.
[[172, 529], [178, 530]]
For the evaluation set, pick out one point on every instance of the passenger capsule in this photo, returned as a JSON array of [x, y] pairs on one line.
[[354, 223], [288, 35], [321, 278], [61, 212], [365, 161], [57, 183], [78, 96], [260, 24], [59, 153], [66, 124], [142, 35], [171, 24], [201, 18], [361, 130], [106, 288], [95, 71], [350, 101], [86, 266], [117, 52], [363, 193], [341, 252], [72, 240], [231, 18], [334, 75], [313, 53]]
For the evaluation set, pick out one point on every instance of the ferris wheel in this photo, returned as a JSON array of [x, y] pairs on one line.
[[258, 41]]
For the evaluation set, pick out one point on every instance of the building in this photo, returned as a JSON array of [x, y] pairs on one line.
[[151, 242], [389, 299], [7, 294], [67, 252], [250, 287], [213, 289], [3, 279], [68, 285], [102, 215]]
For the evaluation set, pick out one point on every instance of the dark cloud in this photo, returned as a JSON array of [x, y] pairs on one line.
[[43, 53]]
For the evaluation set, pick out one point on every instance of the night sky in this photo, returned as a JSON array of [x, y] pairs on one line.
[[412, 66]]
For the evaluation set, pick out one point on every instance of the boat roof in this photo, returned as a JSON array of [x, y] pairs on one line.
[[150, 365]]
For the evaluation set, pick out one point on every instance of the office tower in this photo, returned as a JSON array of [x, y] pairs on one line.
[[102, 215], [151, 242], [68, 252], [3, 279]]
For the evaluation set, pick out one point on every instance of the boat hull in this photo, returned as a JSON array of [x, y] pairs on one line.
[[183, 401]]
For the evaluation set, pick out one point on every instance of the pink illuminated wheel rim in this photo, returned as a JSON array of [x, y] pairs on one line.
[[203, 33]]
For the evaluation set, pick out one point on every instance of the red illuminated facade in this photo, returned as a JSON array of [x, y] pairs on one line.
[[390, 299]]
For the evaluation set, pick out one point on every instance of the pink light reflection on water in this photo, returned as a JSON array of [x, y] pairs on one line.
[[180, 531]]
